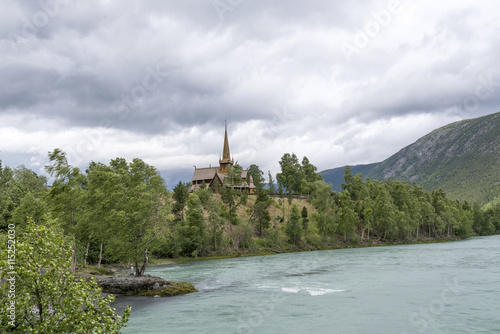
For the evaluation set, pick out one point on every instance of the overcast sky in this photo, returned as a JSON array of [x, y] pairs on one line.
[[340, 82]]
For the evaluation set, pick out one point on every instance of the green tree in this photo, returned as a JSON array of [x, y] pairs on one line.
[[30, 206], [323, 199], [305, 219], [204, 193], [365, 210], [257, 176], [346, 217], [310, 176], [309, 171], [10, 196], [229, 192], [260, 211], [384, 214], [348, 179], [271, 186], [291, 173], [215, 221], [15, 184], [135, 200], [29, 181], [180, 196], [49, 298], [293, 229], [67, 195], [193, 232]]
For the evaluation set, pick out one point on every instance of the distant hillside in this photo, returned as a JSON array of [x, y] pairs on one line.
[[463, 158], [335, 176]]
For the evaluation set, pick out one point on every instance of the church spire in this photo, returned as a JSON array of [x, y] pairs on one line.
[[226, 156]]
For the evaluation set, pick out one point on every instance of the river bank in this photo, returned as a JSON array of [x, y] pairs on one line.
[[294, 249]]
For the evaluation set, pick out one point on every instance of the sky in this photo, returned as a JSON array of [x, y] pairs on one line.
[[341, 82]]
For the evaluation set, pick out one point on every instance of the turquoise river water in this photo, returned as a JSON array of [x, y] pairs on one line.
[[449, 287]]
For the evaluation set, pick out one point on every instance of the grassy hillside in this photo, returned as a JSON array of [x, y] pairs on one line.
[[463, 158]]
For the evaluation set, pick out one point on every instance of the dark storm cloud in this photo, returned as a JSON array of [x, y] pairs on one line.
[[197, 85], [157, 79]]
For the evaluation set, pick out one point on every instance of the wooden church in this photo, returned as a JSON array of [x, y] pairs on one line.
[[214, 176]]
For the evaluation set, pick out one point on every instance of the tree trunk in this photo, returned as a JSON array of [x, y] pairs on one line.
[[87, 251], [146, 260], [137, 271], [215, 239], [73, 256], [73, 265], [230, 218], [324, 225], [86, 255], [100, 257]]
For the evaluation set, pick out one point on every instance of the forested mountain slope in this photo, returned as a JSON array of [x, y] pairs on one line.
[[463, 158]]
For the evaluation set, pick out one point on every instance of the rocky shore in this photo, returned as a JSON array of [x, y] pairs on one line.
[[152, 286]]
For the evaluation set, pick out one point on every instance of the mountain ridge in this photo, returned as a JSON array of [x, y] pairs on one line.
[[462, 158]]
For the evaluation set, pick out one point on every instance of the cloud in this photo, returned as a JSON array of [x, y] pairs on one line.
[[156, 79]]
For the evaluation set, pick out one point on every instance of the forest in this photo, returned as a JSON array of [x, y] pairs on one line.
[[123, 213]]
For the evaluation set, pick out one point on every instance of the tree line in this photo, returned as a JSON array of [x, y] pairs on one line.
[[122, 211]]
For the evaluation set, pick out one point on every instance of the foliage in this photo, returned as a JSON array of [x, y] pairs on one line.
[[49, 298], [228, 192], [271, 186], [180, 196], [291, 173], [20, 187], [193, 230], [305, 218], [260, 211], [257, 176], [67, 195], [132, 199], [293, 228]]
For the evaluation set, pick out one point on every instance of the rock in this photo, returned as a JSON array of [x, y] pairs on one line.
[[156, 296], [143, 286]]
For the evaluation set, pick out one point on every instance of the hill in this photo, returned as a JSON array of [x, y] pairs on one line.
[[335, 176], [463, 158]]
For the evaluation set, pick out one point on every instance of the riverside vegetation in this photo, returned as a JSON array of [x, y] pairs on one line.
[[122, 213]]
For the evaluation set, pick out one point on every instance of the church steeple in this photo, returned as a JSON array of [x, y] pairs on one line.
[[226, 156]]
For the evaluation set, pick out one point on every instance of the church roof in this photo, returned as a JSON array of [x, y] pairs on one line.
[[213, 175], [205, 173]]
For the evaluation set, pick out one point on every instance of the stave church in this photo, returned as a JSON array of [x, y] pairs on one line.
[[213, 177]]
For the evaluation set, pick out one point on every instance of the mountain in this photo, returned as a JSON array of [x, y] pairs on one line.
[[463, 158], [335, 176]]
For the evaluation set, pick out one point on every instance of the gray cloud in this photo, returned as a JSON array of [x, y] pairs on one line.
[[92, 75]]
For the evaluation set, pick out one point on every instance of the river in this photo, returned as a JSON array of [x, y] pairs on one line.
[[449, 287]]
